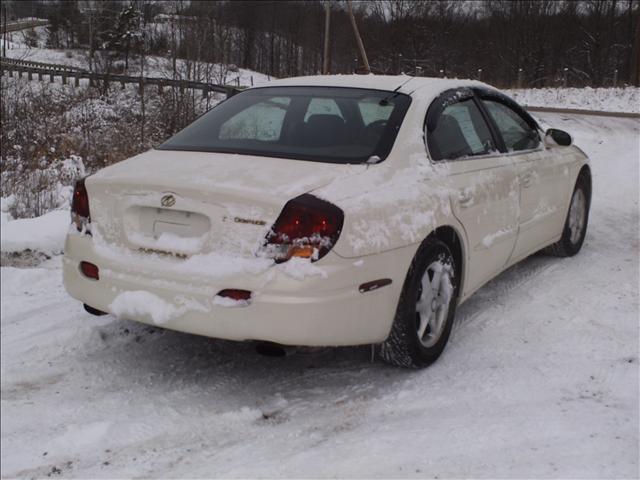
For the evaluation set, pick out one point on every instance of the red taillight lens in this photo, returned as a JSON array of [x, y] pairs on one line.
[[80, 214], [307, 227], [90, 270], [80, 201], [235, 294]]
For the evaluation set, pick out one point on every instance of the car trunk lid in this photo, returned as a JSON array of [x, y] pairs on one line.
[[186, 203]]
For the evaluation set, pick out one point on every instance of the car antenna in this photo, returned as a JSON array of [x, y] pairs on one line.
[[385, 101]]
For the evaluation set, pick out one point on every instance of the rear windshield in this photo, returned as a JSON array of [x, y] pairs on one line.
[[327, 124]]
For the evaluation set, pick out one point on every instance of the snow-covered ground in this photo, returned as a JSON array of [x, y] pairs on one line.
[[540, 378], [43, 234]]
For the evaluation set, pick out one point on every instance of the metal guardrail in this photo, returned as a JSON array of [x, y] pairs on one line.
[[65, 72], [16, 26], [577, 111], [29, 63]]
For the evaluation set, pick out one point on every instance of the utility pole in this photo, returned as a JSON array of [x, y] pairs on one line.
[[91, 40], [327, 18], [634, 74], [4, 32], [363, 54]]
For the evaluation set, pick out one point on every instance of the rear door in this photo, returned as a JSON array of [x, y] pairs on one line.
[[484, 187], [541, 175]]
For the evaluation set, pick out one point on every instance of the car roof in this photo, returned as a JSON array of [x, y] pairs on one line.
[[408, 84]]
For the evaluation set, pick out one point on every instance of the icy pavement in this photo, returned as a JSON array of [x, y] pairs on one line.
[[540, 378]]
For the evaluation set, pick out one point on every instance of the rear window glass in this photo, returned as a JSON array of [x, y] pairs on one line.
[[328, 124], [372, 111], [261, 121], [322, 106]]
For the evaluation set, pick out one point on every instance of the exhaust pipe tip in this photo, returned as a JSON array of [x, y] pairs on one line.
[[269, 349]]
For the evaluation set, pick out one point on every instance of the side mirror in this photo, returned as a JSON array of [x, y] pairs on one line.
[[555, 137]]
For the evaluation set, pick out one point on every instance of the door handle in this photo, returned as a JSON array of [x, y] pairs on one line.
[[525, 180]]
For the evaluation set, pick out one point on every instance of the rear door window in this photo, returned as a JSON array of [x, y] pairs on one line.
[[460, 131]]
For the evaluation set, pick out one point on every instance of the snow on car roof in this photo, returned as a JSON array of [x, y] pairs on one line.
[[377, 82]]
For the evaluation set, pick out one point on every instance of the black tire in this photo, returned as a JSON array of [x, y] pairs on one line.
[[93, 311], [568, 246], [403, 347]]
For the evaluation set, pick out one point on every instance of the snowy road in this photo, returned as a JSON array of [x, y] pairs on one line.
[[540, 378]]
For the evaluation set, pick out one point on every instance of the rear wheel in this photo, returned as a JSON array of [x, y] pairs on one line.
[[426, 308], [575, 227]]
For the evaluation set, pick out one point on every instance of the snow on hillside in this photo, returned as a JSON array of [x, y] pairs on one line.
[[540, 378], [37, 36], [625, 99], [154, 66]]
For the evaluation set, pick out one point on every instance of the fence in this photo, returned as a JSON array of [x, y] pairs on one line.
[[67, 73], [29, 64]]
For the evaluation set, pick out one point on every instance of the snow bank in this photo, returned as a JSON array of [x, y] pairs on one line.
[[602, 99], [43, 234]]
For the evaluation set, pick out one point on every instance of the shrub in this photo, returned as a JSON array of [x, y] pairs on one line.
[[52, 134]]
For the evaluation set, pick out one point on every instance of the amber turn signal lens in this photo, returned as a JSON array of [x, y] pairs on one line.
[[304, 251]]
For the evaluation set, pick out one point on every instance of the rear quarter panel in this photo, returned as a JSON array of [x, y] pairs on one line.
[[396, 204]]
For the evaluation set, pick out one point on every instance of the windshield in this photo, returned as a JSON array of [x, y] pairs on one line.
[[327, 124]]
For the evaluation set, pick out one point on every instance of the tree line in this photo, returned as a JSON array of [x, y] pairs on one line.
[[505, 42]]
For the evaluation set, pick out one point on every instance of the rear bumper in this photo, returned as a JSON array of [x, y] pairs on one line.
[[322, 309]]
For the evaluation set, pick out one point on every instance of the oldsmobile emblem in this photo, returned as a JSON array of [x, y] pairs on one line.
[[168, 201]]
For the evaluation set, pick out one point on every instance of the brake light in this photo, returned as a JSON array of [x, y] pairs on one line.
[[90, 270], [232, 297], [307, 227], [80, 214], [235, 294]]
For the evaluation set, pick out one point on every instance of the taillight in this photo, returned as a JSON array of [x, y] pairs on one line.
[[80, 214], [90, 270], [235, 294], [231, 297], [307, 227]]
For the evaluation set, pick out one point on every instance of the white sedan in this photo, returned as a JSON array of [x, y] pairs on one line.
[[326, 211]]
